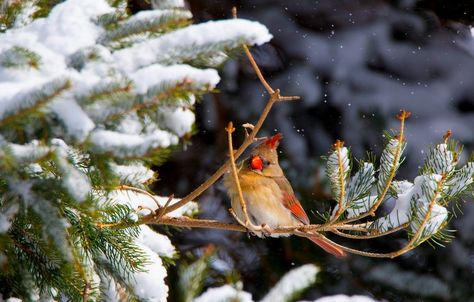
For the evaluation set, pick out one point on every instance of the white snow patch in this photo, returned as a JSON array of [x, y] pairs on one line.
[[78, 125], [29, 152], [438, 216], [293, 281], [401, 213], [344, 298], [135, 172], [156, 242], [224, 293], [6, 217], [155, 74], [74, 181], [150, 285], [128, 145], [178, 120]]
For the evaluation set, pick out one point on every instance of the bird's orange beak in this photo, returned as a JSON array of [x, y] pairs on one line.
[[272, 141]]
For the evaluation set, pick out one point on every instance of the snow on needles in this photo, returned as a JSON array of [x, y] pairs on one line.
[[344, 298], [150, 285], [173, 47], [224, 293], [292, 282]]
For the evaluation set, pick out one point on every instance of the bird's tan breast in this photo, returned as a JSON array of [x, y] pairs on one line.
[[263, 198]]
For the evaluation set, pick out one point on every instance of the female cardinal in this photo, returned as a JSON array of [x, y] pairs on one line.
[[268, 195]]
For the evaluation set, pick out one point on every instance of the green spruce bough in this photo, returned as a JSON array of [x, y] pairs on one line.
[[89, 98]]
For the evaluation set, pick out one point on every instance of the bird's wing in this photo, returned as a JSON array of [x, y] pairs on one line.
[[289, 200]]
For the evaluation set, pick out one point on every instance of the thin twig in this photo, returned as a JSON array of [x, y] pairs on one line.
[[230, 129], [373, 235], [161, 211], [86, 291], [138, 190], [342, 181]]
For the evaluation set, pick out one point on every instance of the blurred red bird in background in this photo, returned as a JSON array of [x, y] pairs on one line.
[[268, 195]]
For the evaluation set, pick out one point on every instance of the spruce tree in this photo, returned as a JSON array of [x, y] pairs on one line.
[[90, 98]]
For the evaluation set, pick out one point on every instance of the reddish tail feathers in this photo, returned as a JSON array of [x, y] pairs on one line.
[[328, 247]]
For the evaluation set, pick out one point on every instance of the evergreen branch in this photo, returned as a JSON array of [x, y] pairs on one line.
[[413, 242], [159, 94], [338, 170], [383, 189], [247, 223], [24, 104], [360, 183], [372, 234], [19, 57], [148, 21]]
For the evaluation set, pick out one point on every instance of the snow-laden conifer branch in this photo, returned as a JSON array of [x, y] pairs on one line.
[[22, 104], [292, 284], [104, 117], [338, 170], [154, 21], [166, 50]]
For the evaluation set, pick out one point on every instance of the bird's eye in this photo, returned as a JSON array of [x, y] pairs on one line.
[[266, 163], [256, 163]]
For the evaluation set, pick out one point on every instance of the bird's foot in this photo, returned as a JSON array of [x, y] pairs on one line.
[[266, 230], [262, 230]]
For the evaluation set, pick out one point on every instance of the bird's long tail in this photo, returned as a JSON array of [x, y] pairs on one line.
[[328, 246]]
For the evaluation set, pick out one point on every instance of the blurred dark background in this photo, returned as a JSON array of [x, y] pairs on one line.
[[355, 64]]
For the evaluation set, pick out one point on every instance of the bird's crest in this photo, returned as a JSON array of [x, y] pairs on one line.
[[272, 141]]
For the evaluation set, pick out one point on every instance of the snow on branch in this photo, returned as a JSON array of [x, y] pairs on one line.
[[224, 293], [292, 284], [129, 145], [191, 42], [146, 21]]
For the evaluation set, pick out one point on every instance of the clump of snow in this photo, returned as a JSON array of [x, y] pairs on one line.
[[29, 152], [225, 293], [150, 285], [77, 123], [130, 124], [438, 216], [156, 74], [75, 182], [6, 216], [292, 282], [127, 145], [178, 120], [156, 242], [135, 172], [401, 213], [344, 298], [361, 206]]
